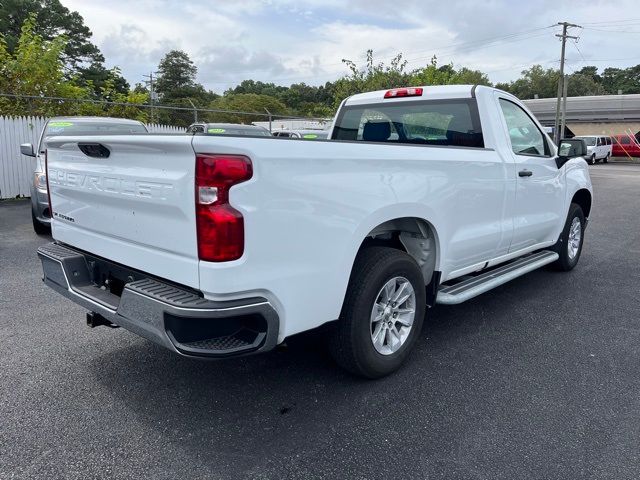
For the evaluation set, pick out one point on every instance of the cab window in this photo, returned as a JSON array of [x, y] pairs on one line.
[[526, 138], [433, 122]]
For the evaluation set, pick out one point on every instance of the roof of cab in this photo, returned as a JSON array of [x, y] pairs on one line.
[[433, 92]]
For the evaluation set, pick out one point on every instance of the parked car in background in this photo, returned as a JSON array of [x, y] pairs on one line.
[[624, 145], [74, 126], [598, 148], [303, 134], [231, 129]]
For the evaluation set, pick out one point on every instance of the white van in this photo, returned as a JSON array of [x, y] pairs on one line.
[[598, 148]]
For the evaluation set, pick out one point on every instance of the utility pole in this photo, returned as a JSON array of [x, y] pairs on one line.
[[195, 111], [269, 113], [557, 135], [152, 93], [565, 87]]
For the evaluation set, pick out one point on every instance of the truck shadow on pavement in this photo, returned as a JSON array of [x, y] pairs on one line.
[[288, 401]]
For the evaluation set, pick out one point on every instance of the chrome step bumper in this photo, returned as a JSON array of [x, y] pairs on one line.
[[174, 317], [474, 286]]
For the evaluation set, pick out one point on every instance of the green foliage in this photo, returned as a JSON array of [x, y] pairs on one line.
[[52, 20], [176, 86], [586, 81], [176, 72], [536, 80], [627, 80], [35, 67], [97, 76], [447, 75], [245, 102], [373, 76]]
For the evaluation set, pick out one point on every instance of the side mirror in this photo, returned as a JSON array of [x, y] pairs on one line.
[[570, 148], [27, 149]]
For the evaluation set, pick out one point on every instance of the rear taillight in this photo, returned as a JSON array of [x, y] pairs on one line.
[[220, 227], [404, 92]]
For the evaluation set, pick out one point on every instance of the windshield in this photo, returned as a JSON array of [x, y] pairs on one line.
[[81, 128], [247, 132], [590, 141], [314, 135]]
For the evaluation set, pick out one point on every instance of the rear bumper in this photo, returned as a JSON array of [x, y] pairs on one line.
[[172, 316]]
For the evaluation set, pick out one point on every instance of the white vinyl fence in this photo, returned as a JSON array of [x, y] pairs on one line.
[[16, 170]]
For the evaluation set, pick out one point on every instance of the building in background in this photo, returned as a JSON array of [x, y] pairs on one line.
[[593, 115]]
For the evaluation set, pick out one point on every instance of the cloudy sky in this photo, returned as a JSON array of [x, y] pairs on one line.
[[286, 41]]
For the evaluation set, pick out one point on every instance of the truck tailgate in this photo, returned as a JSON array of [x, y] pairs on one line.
[[134, 207]]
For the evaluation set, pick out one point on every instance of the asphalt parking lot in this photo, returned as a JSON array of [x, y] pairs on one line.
[[538, 379]]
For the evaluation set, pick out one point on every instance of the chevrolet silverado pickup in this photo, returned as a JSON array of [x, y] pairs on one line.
[[215, 246]]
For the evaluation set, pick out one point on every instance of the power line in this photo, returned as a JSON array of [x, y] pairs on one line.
[[610, 22], [575, 44]]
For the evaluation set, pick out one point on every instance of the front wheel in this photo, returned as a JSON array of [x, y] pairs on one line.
[[569, 245], [592, 159], [382, 314]]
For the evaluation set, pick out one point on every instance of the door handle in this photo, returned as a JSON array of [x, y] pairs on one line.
[[525, 173]]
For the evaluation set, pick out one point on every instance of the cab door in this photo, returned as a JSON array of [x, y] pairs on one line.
[[540, 184]]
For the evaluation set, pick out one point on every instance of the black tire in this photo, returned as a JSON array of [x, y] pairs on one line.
[[39, 227], [350, 342], [592, 159], [606, 159], [566, 262]]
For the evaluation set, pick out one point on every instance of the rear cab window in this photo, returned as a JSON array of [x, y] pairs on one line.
[[454, 123]]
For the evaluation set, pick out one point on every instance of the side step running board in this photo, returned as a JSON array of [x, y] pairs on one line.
[[474, 286]]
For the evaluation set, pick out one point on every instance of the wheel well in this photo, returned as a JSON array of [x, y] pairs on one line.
[[414, 236], [583, 198]]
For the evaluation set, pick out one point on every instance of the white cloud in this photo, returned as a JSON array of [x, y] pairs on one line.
[[305, 40]]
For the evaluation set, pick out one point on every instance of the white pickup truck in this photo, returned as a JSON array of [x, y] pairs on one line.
[[220, 246]]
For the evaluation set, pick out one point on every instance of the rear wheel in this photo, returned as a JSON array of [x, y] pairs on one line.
[[569, 245], [382, 313], [39, 227], [606, 159]]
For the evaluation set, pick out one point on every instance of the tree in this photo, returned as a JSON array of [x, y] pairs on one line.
[[245, 102], [35, 67], [591, 72], [52, 20], [534, 81], [627, 80], [583, 84], [447, 75], [96, 76], [176, 74], [373, 76]]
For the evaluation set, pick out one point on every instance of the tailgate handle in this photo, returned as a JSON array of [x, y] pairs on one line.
[[96, 150]]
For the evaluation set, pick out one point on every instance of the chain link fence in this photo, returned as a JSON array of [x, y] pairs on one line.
[[179, 116]]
